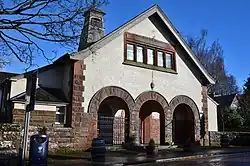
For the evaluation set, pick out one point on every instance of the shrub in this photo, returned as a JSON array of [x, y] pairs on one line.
[[151, 142], [42, 130]]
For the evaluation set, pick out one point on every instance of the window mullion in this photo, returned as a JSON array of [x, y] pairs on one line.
[[164, 59], [135, 52], [145, 54], [155, 57]]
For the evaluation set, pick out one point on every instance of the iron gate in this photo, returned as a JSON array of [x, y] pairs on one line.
[[114, 130]]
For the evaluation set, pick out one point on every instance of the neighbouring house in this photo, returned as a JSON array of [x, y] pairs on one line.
[[226, 103], [140, 80]]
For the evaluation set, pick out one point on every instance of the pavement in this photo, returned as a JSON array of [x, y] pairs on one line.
[[239, 159], [124, 159], [161, 158]]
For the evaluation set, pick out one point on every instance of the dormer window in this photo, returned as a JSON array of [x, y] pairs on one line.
[[143, 52]]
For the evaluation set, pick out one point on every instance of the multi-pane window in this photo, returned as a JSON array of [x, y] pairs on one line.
[[160, 59], [141, 50], [150, 56], [130, 52], [139, 54]]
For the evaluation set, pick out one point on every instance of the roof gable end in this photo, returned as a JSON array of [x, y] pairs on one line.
[[146, 14]]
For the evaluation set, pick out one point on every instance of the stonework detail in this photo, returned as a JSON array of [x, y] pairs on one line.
[[205, 114], [36, 117], [11, 136], [181, 99], [81, 122], [109, 91]]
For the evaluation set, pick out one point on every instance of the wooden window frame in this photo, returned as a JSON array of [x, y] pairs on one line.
[[156, 46]]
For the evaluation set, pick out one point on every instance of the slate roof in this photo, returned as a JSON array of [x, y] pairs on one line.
[[225, 100], [5, 75], [44, 94]]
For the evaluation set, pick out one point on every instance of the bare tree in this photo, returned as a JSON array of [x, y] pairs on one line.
[[24, 23], [213, 60]]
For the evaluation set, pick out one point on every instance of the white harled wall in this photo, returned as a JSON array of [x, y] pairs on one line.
[[212, 115], [105, 68]]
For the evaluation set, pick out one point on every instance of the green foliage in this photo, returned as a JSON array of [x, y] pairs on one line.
[[151, 142], [42, 130], [234, 119], [244, 102]]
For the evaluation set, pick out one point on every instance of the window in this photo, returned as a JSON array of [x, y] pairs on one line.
[[139, 54], [142, 52], [160, 59], [150, 58], [168, 60], [130, 52], [60, 114]]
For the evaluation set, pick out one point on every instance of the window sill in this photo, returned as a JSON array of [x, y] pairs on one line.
[[143, 65]]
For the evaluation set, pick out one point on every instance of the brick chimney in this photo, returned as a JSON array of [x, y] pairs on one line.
[[93, 29]]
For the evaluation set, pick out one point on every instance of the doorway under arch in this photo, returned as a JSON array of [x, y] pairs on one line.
[[183, 125], [113, 120], [152, 122]]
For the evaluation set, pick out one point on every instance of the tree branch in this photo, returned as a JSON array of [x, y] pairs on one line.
[[12, 50]]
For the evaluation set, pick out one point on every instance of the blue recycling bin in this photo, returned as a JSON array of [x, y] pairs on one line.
[[98, 150], [38, 154]]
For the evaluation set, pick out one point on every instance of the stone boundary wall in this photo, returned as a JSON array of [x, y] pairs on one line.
[[235, 137], [11, 136], [36, 117]]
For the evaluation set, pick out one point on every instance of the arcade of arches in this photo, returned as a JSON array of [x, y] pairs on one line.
[[119, 116]]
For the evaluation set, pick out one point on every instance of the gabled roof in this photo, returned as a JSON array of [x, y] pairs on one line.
[[60, 61], [6, 75], [44, 94], [147, 13], [225, 100]]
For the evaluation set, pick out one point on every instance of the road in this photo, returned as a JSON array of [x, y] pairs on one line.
[[224, 160], [238, 159]]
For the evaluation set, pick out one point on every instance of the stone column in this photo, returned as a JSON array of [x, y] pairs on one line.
[[77, 94], [80, 121], [168, 126], [134, 125], [205, 114]]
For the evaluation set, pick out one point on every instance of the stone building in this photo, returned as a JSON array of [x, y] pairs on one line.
[[139, 80]]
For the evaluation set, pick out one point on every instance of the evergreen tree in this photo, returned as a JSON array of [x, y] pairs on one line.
[[244, 102]]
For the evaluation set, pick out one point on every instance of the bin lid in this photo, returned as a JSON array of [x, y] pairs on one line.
[[39, 135]]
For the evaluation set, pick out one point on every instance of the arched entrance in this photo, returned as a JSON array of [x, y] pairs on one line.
[[152, 106], [113, 120], [106, 107], [185, 120], [152, 122], [183, 125]]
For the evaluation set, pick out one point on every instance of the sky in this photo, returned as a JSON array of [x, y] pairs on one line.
[[226, 20]]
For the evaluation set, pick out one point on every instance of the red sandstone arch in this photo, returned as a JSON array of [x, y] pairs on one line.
[[185, 100], [110, 91], [151, 95], [155, 97], [113, 91]]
